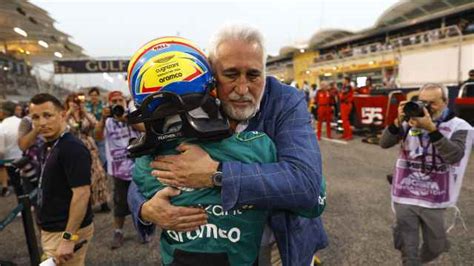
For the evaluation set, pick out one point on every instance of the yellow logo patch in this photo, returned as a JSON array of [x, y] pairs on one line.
[[167, 68]]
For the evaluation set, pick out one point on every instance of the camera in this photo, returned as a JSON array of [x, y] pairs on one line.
[[21, 162], [117, 110], [415, 109], [79, 99], [27, 169]]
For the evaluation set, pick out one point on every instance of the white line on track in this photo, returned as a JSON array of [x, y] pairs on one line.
[[335, 141]]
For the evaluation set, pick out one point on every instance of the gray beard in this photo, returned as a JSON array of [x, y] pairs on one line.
[[437, 115], [238, 115]]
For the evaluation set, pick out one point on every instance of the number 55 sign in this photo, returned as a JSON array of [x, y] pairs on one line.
[[371, 115]]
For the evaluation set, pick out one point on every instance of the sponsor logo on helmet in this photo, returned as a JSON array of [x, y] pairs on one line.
[[160, 46], [164, 59], [170, 77], [164, 68], [168, 68]]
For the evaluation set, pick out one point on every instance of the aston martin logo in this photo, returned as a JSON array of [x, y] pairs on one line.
[[164, 59]]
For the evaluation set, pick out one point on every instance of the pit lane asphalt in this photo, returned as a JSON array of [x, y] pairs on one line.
[[358, 217]]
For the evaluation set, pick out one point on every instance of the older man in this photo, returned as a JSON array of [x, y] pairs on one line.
[[429, 171], [252, 102]]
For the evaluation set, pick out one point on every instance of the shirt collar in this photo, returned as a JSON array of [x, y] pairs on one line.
[[242, 126]]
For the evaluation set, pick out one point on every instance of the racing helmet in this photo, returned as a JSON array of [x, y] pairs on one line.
[[167, 77], [171, 64]]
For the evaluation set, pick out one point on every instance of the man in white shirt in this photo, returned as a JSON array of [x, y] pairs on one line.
[[9, 149]]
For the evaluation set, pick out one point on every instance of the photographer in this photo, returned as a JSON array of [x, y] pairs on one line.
[[435, 148], [117, 133]]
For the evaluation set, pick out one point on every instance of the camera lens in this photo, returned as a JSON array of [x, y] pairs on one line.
[[414, 109], [117, 110]]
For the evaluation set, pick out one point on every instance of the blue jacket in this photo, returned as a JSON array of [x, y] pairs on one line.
[[293, 182]]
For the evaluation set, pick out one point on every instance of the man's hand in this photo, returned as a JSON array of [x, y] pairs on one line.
[[401, 114], [35, 130], [106, 112], [424, 122], [64, 252], [123, 118], [159, 211], [71, 109], [192, 168]]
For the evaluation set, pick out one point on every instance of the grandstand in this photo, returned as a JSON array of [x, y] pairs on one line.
[[28, 36], [411, 43]]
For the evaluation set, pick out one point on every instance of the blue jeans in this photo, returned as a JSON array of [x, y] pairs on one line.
[[101, 146]]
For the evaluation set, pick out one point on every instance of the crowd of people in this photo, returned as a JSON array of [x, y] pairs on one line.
[[396, 42], [15, 78], [226, 162], [25, 132], [328, 103]]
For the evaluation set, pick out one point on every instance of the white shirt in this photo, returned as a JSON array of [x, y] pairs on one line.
[[9, 138], [117, 136]]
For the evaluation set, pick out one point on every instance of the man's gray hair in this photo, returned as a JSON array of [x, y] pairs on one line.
[[432, 86], [237, 31]]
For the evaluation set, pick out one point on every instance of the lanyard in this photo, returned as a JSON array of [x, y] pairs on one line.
[[421, 136], [119, 125], [44, 161]]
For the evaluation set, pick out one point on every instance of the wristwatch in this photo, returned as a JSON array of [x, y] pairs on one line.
[[216, 178], [70, 236]]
